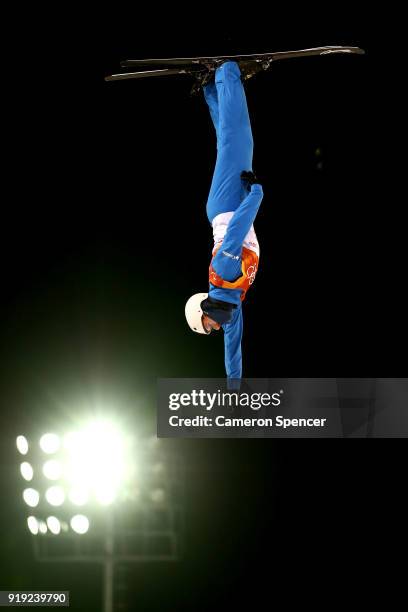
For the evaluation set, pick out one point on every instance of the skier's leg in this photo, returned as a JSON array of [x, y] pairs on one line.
[[234, 142], [211, 97], [234, 122]]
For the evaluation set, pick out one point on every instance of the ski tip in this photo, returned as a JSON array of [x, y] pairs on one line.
[[358, 50], [343, 50]]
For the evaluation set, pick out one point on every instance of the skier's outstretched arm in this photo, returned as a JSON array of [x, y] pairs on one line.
[[227, 262], [242, 221]]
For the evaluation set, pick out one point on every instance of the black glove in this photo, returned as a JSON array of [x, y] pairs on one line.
[[248, 178]]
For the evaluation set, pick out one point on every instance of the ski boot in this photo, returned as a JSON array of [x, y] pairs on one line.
[[202, 77], [251, 67], [248, 69], [205, 75]]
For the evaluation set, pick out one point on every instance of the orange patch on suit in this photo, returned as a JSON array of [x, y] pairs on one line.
[[249, 266]]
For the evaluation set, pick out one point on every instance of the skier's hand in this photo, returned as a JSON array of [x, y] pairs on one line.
[[248, 179]]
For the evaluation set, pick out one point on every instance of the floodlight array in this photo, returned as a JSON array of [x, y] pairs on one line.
[[72, 470], [67, 477]]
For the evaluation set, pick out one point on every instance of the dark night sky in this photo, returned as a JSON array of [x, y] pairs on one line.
[[107, 179]]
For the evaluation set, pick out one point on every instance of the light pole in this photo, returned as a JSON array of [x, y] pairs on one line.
[[108, 565]]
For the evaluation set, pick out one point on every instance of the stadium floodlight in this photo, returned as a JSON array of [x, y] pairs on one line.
[[26, 470], [50, 443], [80, 523], [33, 525], [52, 469], [55, 495], [22, 445], [105, 494], [79, 496], [42, 525], [54, 525], [31, 497], [95, 460]]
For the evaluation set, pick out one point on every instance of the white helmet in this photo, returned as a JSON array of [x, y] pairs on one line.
[[194, 313]]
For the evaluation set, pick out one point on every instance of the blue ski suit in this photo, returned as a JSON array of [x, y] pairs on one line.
[[229, 199]]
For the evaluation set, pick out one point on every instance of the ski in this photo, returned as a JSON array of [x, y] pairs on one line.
[[146, 73], [257, 57], [202, 68]]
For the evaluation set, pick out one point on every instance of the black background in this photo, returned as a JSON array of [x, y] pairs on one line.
[[104, 237]]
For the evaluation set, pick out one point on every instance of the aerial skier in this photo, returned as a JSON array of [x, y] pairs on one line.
[[233, 203], [235, 194]]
